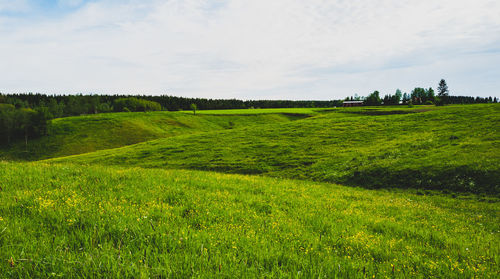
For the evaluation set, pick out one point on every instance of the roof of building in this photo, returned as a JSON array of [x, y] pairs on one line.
[[353, 102]]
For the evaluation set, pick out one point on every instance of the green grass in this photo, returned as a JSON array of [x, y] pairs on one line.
[[251, 193], [82, 134], [453, 148], [68, 221], [307, 111]]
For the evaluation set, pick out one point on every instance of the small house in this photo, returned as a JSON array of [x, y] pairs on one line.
[[352, 103]]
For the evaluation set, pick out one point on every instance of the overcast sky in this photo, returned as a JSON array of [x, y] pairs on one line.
[[251, 49]]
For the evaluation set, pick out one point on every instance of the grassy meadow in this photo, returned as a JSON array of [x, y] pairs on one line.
[[370, 192], [453, 148], [83, 134], [291, 111], [65, 221]]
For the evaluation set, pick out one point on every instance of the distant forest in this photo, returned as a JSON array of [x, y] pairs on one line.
[[24, 116], [70, 105]]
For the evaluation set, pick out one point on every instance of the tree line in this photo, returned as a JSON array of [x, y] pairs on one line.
[[421, 96], [72, 105]]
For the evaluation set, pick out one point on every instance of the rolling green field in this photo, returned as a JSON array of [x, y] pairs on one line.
[[456, 148], [82, 134], [300, 193], [260, 111]]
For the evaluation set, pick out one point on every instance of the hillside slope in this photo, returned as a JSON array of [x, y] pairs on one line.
[[82, 134], [454, 148], [67, 221]]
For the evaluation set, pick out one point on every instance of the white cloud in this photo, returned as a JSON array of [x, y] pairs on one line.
[[254, 49]]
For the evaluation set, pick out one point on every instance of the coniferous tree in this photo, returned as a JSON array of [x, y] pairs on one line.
[[406, 98], [397, 96], [443, 91], [430, 94]]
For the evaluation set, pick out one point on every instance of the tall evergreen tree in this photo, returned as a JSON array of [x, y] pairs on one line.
[[443, 89], [430, 94], [398, 95], [443, 92]]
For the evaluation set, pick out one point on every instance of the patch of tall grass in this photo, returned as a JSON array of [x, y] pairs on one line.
[[100, 221]]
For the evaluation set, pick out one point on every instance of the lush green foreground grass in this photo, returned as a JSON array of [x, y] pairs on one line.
[[68, 221], [455, 148], [82, 134]]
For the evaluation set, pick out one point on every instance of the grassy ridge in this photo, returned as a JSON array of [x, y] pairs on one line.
[[454, 148], [260, 111], [63, 221], [82, 134]]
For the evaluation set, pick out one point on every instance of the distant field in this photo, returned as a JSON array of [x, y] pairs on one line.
[[68, 221], [453, 148], [312, 111], [260, 111], [82, 134]]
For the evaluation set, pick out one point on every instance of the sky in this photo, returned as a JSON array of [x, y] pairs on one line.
[[258, 49]]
